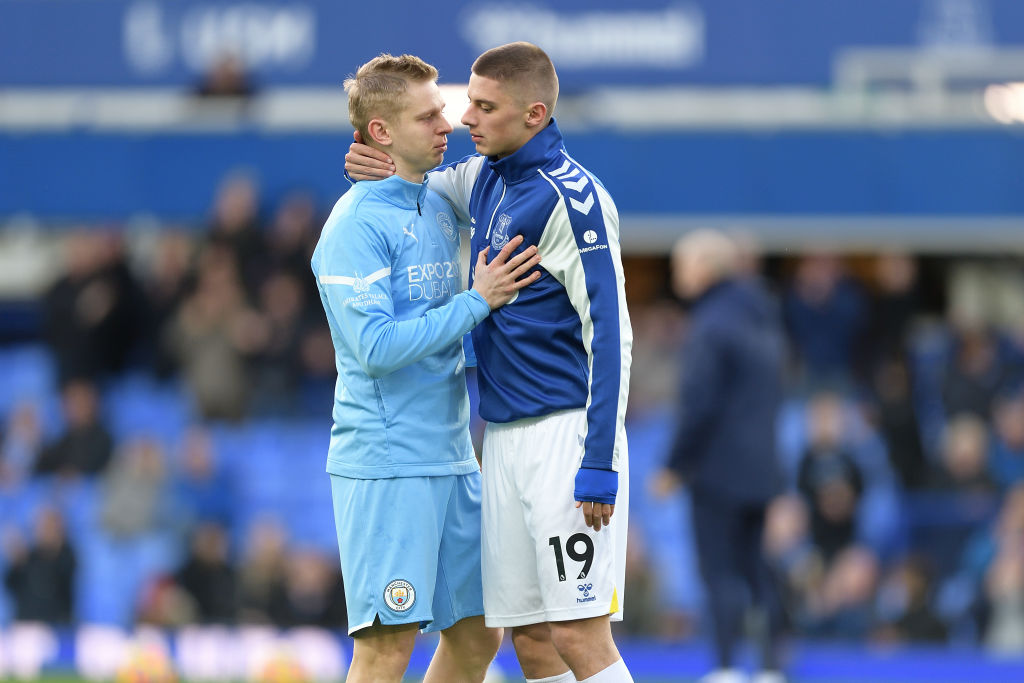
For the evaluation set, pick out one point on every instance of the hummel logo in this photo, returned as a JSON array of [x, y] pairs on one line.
[[584, 206], [578, 185], [408, 231]]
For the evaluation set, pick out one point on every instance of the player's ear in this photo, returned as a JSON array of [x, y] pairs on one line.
[[379, 131], [536, 114]]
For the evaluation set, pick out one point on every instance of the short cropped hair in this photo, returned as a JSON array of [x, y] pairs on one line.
[[526, 67], [377, 87]]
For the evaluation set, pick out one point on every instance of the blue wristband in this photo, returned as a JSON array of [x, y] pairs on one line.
[[596, 486]]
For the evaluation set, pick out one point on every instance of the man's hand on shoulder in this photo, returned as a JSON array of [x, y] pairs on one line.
[[595, 493], [367, 163]]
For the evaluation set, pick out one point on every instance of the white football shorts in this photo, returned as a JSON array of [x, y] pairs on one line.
[[540, 561]]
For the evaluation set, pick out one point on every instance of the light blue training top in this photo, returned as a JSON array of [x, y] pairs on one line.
[[388, 269]]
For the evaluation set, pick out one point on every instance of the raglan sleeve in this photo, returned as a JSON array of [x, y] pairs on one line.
[[455, 183], [354, 273], [581, 250]]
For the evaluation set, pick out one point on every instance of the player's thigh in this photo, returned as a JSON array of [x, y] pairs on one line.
[[509, 558], [579, 571], [459, 590], [389, 536]]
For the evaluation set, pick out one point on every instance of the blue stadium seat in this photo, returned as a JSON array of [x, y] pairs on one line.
[[28, 372], [138, 405]]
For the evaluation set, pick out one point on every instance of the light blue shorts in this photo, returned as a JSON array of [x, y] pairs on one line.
[[410, 549]]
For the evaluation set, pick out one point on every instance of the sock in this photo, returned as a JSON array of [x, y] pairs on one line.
[[567, 677], [616, 673]]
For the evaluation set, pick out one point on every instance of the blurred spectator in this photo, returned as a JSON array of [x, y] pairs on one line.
[[312, 593], [963, 467], [170, 278], [277, 358], [294, 231], [894, 414], [165, 604], [826, 315], [975, 374], [85, 446], [41, 578], [212, 335], [261, 575], [644, 617], [791, 555], [829, 479], [654, 371], [235, 226], [136, 496], [1004, 590], [906, 604], [208, 577], [1007, 451], [226, 77], [724, 447], [894, 305], [318, 365], [202, 487], [843, 606], [988, 576], [22, 444], [92, 311]]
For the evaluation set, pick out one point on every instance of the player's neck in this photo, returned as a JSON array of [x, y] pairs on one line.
[[408, 172]]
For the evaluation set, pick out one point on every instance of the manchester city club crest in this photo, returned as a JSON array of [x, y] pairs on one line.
[[500, 236], [399, 595], [444, 221]]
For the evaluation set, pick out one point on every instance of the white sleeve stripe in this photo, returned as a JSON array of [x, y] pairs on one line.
[[345, 280], [576, 186], [563, 260], [564, 167]]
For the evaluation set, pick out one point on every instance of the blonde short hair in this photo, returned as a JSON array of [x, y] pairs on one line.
[[377, 88]]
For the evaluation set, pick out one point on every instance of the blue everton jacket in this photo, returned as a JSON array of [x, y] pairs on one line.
[[565, 342]]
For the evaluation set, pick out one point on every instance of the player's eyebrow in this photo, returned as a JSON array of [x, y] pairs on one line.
[[426, 113], [479, 101]]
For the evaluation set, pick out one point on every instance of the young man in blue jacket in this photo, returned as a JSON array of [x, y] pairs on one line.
[[404, 477], [553, 374]]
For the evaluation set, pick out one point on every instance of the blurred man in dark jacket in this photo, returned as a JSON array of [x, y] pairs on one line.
[[724, 448]]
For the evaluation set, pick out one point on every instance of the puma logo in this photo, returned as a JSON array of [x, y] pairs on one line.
[[408, 231]]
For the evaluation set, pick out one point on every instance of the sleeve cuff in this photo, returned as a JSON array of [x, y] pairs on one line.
[[478, 306], [596, 486]]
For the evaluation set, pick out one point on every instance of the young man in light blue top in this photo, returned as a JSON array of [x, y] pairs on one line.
[[404, 477]]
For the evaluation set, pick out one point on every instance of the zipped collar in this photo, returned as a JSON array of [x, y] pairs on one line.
[[542, 149], [400, 192]]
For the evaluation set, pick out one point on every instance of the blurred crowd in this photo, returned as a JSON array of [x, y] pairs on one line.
[[231, 312], [902, 436]]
